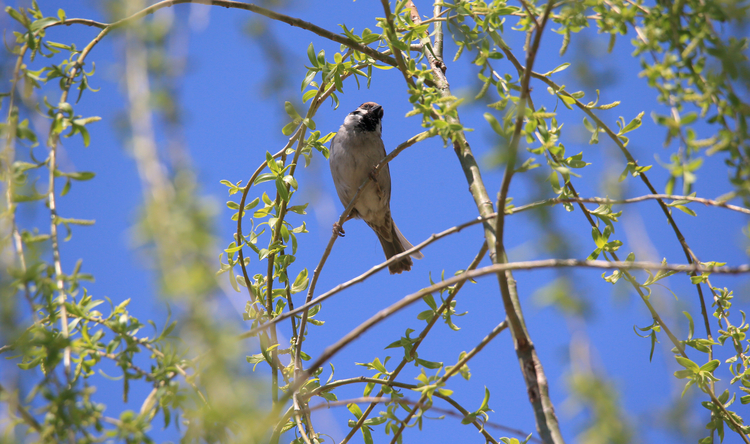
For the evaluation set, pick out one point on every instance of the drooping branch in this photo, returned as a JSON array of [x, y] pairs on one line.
[[454, 369], [677, 200], [292, 21], [438, 313], [665, 208], [531, 367], [383, 314]]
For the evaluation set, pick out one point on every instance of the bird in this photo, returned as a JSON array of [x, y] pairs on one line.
[[355, 150]]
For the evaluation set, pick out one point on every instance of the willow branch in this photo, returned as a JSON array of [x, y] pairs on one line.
[[607, 201], [292, 21], [689, 254], [394, 374], [440, 382], [361, 278], [10, 154], [377, 399], [390, 31], [383, 314]]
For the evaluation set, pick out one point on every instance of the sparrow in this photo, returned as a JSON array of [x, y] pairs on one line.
[[355, 151]]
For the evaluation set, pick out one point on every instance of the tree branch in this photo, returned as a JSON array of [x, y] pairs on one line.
[[495, 331], [383, 314], [531, 366], [394, 374], [607, 201]]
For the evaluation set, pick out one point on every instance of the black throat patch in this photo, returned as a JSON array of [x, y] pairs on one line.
[[368, 122], [373, 113]]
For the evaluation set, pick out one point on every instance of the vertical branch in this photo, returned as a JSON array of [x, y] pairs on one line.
[[59, 283], [438, 46], [9, 156], [536, 380], [531, 367]]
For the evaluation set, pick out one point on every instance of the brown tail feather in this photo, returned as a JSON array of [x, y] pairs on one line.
[[392, 248]]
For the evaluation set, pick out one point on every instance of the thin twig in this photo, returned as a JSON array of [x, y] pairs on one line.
[[464, 413], [333, 349], [9, 154], [440, 382], [292, 21], [390, 32], [361, 278], [691, 257], [607, 201], [530, 14], [437, 315], [531, 367]]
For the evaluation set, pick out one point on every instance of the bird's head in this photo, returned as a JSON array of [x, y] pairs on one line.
[[365, 118]]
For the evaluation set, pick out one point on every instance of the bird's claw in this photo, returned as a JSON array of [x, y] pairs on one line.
[[338, 229]]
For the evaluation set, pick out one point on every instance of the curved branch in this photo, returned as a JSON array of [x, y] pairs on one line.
[[447, 399], [292, 21], [607, 201], [383, 314], [312, 302], [394, 374], [454, 369]]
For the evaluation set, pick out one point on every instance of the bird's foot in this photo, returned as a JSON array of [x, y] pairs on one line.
[[338, 229]]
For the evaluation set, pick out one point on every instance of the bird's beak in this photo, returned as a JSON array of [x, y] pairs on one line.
[[378, 110]]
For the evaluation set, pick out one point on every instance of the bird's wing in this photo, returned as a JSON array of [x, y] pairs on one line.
[[384, 177]]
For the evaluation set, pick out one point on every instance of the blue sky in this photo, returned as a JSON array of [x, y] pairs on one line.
[[230, 122]]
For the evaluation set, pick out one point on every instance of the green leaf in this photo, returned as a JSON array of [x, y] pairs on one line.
[[685, 210], [562, 67], [356, 411], [710, 366], [608, 106], [308, 95], [687, 363], [288, 129], [635, 123], [289, 108], [485, 407], [82, 175], [282, 190], [311, 55], [429, 364], [41, 23], [301, 282], [309, 123], [494, 124], [252, 204], [265, 177]]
